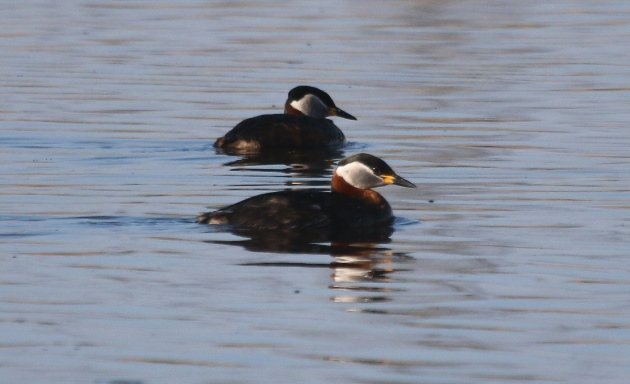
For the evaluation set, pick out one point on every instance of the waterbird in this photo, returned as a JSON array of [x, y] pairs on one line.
[[351, 205], [304, 125]]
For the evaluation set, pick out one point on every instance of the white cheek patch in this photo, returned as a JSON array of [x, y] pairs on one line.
[[359, 176], [311, 105]]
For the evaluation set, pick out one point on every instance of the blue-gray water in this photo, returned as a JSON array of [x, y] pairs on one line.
[[511, 116]]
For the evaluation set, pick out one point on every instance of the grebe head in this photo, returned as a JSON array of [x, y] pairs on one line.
[[313, 102], [365, 171]]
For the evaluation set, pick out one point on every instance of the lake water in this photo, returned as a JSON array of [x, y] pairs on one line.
[[509, 264]]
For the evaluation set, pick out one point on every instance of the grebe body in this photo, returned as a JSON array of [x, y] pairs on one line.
[[350, 204], [303, 125]]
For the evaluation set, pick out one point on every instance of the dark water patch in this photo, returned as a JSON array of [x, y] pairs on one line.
[[122, 221], [382, 362], [309, 163], [308, 240], [49, 234], [119, 381], [285, 264], [17, 235], [292, 245], [364, 288]]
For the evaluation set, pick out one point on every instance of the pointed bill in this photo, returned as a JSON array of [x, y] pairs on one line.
[[334, 111], [397, 180]]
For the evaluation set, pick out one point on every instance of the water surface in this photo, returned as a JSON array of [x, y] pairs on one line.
[[511, 117]]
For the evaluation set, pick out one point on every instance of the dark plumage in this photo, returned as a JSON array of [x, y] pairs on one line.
[[303, 125], [350, 205], [301, 209], [282, 131]]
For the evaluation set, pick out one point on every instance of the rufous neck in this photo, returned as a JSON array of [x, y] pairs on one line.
[[339, 185], [289, 110]]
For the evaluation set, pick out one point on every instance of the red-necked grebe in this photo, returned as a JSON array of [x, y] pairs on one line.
[[303, 125]]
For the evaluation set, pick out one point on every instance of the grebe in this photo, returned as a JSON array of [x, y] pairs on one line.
[[350, 205], [303, 125]]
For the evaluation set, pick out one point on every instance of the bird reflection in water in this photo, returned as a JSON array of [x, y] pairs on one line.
[[358, 268], [357, 256], [314, 241], [354, 275], [310, 163]]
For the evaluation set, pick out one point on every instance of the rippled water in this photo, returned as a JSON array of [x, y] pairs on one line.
[[511, 117]]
